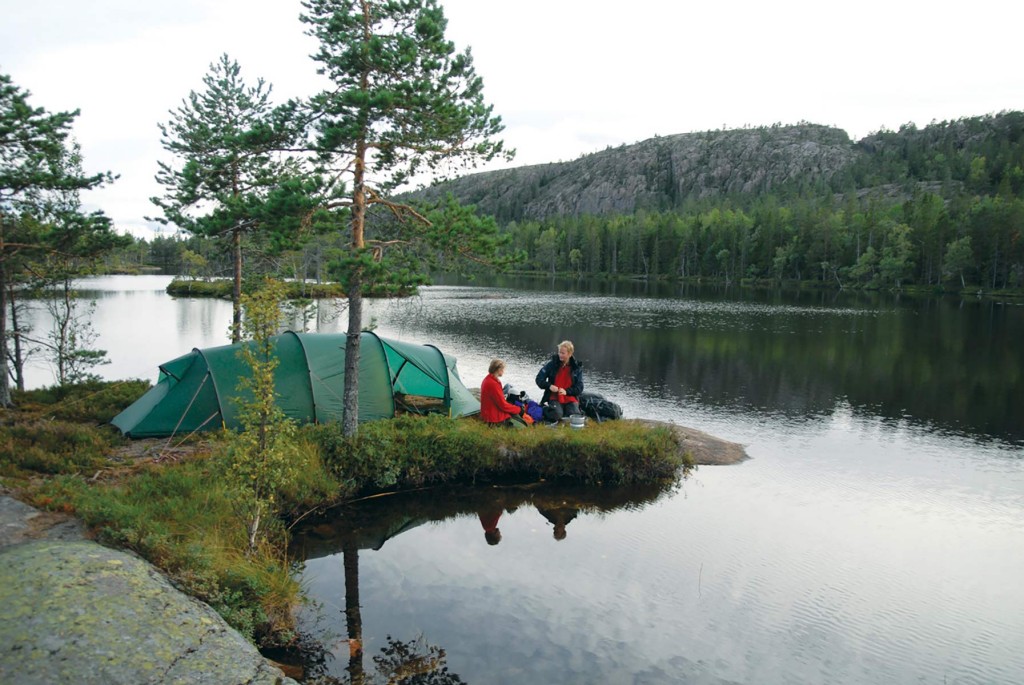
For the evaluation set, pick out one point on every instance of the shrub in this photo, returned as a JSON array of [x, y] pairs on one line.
[[54, 447], [88, 402]]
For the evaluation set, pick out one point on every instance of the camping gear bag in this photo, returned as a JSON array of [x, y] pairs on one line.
[[598, 408]]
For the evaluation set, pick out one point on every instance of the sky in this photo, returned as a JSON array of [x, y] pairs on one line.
[[568, 77]]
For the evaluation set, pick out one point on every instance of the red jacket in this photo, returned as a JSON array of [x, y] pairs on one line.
[[493, 407]]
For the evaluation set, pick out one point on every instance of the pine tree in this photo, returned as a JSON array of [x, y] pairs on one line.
[[226, 140], [402, 102], [40, 176]]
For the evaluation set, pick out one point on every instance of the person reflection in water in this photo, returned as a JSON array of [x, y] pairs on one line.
[[559, 518], [489, 520]]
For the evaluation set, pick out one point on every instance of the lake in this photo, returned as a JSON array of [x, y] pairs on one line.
[[876, 535]]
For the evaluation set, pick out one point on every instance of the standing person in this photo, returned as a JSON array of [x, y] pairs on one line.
[[493, 407], [561, 379]]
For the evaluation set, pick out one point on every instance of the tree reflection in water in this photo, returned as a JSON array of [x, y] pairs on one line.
[[370, 523], [412, 662]]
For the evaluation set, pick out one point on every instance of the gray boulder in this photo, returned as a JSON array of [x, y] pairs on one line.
[[78, 612]]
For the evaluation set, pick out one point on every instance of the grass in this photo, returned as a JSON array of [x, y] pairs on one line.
[[57, 452], [412, 451]]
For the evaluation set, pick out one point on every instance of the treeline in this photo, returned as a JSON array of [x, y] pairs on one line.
[[980, 155], [966, 241], [200, 257], [937, 206]]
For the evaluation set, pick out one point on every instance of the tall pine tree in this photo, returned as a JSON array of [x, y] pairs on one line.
[[403, 101]]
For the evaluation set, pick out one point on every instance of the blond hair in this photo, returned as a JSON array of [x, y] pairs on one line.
[[496, 365], [567, 344]]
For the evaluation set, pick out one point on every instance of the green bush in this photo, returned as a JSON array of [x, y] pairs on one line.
[[54, 447], [88, 402]]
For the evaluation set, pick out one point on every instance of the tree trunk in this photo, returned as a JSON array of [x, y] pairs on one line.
[[254, 529], [236, 292], [353, 615], [5, 380], [18, 359], [350, 394]]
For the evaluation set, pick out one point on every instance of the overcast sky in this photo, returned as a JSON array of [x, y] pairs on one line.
[[568, 77]]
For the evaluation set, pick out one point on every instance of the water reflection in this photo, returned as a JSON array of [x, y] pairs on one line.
[[559, 515], [405, 662], [368, 525]]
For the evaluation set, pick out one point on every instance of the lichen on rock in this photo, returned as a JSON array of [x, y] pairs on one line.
[[78, 612]]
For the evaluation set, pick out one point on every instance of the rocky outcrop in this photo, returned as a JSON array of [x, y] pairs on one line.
[[20, 523], [660, 173], [704, 449], [73, 611]]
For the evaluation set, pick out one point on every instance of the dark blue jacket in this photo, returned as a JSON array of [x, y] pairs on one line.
[[547, 373]]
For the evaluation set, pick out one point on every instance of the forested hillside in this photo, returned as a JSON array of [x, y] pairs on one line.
[[931, 206]]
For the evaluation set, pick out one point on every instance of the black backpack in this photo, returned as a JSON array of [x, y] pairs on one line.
[[598, 408]]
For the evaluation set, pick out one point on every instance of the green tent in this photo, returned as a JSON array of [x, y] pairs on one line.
[[198, 391]]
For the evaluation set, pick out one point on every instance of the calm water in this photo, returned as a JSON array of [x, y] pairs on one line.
[[876, 535]]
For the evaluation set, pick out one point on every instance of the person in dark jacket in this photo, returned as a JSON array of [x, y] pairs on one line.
[[561, 379]]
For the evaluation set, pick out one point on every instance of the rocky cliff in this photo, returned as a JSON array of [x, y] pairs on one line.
[[660, 173]]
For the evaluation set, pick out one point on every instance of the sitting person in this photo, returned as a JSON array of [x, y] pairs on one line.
[[493, 407], [489, 520], [559, 517], [561, 379]]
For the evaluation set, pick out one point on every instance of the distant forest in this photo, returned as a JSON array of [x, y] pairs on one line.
[[937, 207]]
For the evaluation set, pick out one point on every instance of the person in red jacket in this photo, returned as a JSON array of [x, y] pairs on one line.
[[489, 520], [493, 407]]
